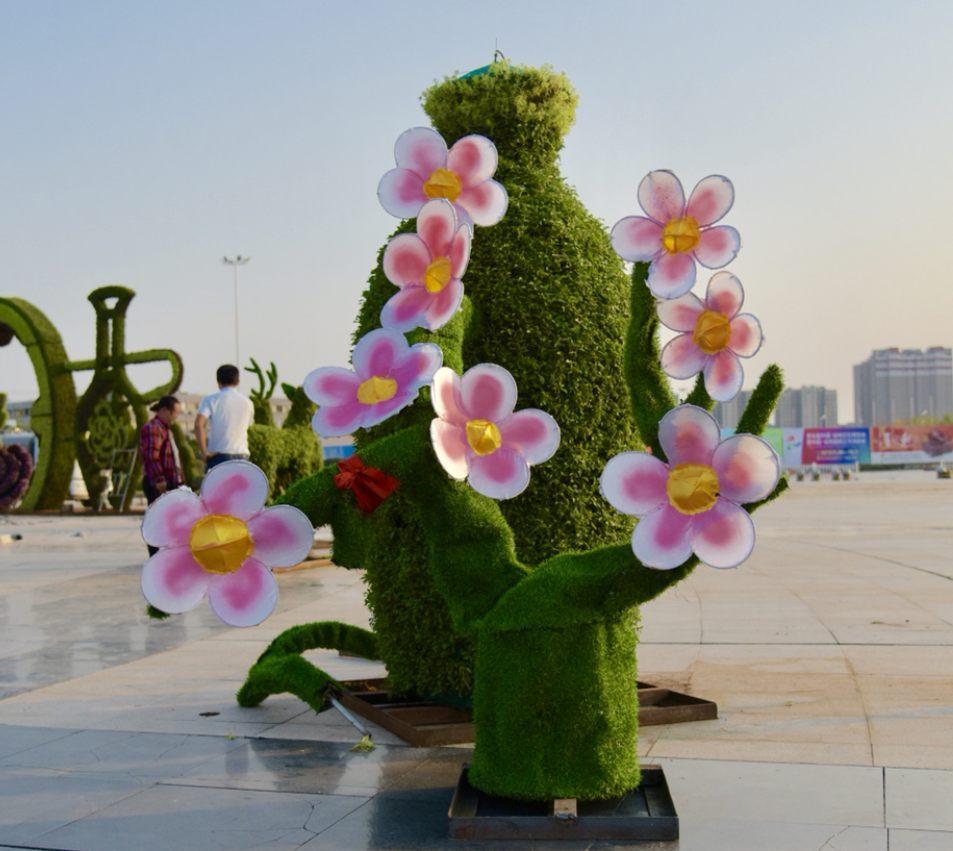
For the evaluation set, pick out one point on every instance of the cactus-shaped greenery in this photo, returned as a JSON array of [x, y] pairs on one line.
[[3, 410], [545, 587]]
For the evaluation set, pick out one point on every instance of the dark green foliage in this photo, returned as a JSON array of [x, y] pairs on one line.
[[156, 614], [52, 415], [291, 452], [3, 410], [763, 400], [261, 397], [281, 667]]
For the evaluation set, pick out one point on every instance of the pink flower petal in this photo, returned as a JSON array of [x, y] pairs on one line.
[[443, 306], [485, 203], [283, 536], [487, 392], [421, 149], [436, 225], [689, 435], [532, 433], [473, 159], [245, 597], [407, 309], [377, 352], [406, 259], [331, 385], [672, 275], [635, 483], [446, 396], [169, 520], [681, 358], [339, 420], [717, 247], [724, 376], [662, 539], [724, 295], [747, 468], [236, 488], [711, 199], [661, 196], [449, 442], [636, 238], [459, 252], [680, 314], [746, 335], [501, 475], [172, 580], [401, 193], [723, 536], [415, 368]]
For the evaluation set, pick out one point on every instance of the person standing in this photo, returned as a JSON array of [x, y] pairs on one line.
[[228, 414], [160, 466]]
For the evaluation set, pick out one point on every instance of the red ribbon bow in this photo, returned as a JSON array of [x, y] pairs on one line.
[[370, 485]]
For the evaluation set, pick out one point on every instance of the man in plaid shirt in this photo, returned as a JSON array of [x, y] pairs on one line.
[[160, 467]]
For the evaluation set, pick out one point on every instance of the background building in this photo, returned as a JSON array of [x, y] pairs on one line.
[[728, 413], [807, 407], [900, 384]]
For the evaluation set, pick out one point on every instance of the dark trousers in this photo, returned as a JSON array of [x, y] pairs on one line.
[[152, 494], [221, 458]]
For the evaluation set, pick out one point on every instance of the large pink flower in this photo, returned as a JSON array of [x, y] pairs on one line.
[[387, 375], [222, 544], [427, 266], [478, 434], [462, 175], [714, 335], [676, 234], [693, 503]]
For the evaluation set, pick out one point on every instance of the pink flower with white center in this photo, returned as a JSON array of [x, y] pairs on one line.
[[478, 435], [714, 335], [427, 266], [676, 235], [462, 175], [222, 545], [387, 374], [693, 504]]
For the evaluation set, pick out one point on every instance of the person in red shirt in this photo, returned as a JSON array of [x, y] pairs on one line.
[[160, 467]]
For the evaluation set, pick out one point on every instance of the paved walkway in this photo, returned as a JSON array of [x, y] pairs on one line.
[[828, 652]]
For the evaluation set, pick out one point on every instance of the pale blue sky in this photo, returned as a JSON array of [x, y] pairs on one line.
[[143, 141]]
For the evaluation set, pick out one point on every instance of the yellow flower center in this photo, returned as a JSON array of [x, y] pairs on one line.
[[220, 543], [681, 235], [438, 274], [376, 389], [692, 488], [712, 332], [483, 437], [442, 183]]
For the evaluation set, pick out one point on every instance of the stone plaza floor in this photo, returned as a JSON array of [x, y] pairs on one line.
[[829, 654]]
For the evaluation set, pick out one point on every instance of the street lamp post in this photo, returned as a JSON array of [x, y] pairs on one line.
[[238, 261]]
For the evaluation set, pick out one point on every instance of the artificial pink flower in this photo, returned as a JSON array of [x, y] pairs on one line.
[[693, 503], [714, 335], [222, 544], [427, 266], [676, 235], [477, 434], [462, 175], [387, 375]]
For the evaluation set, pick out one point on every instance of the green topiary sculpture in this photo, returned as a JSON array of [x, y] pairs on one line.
[[551, 610]]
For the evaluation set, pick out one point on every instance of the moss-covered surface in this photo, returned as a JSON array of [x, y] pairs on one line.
[[51, 417]]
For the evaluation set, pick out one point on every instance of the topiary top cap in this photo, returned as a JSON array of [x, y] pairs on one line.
[[525, 111]]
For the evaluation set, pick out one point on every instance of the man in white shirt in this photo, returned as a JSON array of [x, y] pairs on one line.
[[228, 414]]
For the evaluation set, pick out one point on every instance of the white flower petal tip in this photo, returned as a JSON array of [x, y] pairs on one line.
[[693, 503], [477, 435], [222, 544]]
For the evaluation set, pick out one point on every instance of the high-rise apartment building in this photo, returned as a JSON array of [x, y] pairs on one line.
[[728, 413], [810, 407], [900, 384]]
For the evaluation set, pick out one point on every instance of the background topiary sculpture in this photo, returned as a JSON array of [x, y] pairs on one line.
[[551, 611]]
